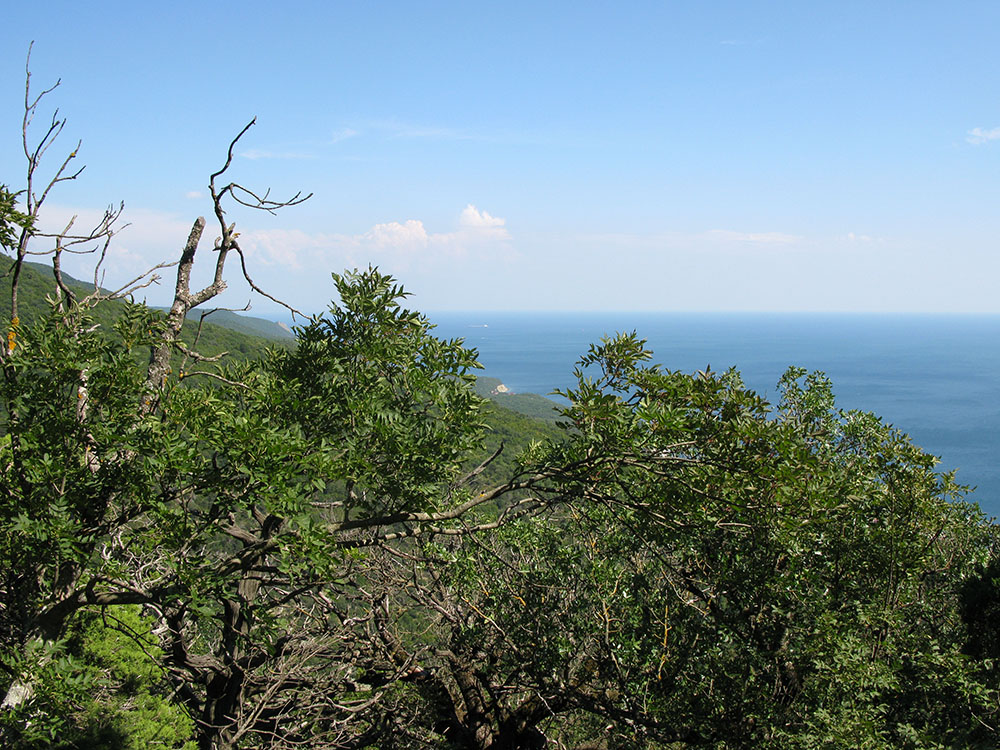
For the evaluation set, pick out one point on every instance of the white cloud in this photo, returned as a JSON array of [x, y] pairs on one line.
[[979, 136], [473, 217], [395, 244], [291, 263], [282, 247], [193, 194], [405, 237], [852, 237]]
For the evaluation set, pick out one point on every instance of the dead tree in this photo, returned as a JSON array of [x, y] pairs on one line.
[[37, 602]]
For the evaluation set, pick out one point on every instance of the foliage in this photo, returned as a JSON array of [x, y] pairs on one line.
[[980, 609], [12, 221], [230, 510], [530, 404], [103, 689], [219, 333], [686, 564], [733, 576], [322, 545], [397, 401]]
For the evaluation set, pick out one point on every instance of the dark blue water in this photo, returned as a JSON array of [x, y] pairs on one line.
[[934, 377]]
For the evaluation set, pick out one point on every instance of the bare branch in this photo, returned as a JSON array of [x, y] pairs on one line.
[[64, 241], [479, 469], [216, 376], [206, 313], [263, 202], [146, 279], [60, 284], [261, 292], [227, 239], [229, 153], [180, 345]]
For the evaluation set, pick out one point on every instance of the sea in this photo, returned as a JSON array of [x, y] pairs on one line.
[[935, 377]]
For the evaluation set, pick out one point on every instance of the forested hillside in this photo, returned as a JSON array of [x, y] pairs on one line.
[[529, 404], [221, 331], [338, 543]]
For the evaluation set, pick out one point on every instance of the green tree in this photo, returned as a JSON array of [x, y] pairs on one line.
[[306, 552], [12, 221], [728, 575], [235, 504], [104, 689]]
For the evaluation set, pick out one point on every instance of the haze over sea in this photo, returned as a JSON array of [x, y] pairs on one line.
[[935, 377]]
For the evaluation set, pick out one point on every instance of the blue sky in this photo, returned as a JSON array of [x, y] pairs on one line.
[[637, 156]]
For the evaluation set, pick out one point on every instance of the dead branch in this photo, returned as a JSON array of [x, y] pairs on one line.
[[216, 376], [191, 353], [226, 242], [146, 279], [253, 285], [35, 198]]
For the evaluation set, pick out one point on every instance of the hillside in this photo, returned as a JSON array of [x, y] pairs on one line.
[[250, 325], [528, 404], [241, 336], [513, 419], [349, 449]]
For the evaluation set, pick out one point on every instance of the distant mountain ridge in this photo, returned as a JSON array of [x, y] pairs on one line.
[[36, 283], [242, 336], [529, 404], [238, 337], [248, 324], [253, 325]]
